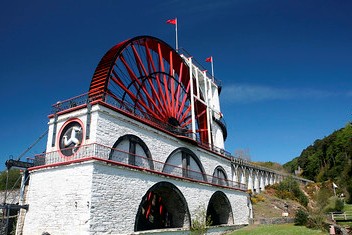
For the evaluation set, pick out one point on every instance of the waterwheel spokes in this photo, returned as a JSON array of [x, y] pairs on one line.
[[152, 80]]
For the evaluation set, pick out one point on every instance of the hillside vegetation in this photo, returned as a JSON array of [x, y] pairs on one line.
[[328, 159], [13, 177], [271, 165]]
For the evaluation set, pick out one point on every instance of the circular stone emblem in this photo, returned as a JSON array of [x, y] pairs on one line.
[[71, 138]]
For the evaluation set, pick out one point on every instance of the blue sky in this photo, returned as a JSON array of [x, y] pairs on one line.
[[286, 66]]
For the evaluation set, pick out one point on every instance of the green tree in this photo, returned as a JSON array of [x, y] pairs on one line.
[[328, 159], [14, 180]]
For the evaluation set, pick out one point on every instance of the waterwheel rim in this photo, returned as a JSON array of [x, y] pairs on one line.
[[148, 78]]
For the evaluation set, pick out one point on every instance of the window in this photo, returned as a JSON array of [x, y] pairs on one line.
[[130, 149], [183, 162], [219, 176]]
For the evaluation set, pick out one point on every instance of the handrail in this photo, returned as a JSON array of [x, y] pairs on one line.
[[124, 106], [70, 103], [140, 162], [110, 100]]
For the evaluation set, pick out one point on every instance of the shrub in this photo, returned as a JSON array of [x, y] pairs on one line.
[[284, 194], [289, 189], [201, 222], [339, 205], [257, 198], [316, 221], [260, 197], [13, 181], [349, 190], [334, 204], [301, 217], [322, 198], [254, 200], [302, 198]]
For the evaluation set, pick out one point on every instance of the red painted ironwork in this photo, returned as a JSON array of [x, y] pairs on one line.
[[95, 151], [152, 78]]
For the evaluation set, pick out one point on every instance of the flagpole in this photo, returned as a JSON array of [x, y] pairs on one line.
[[174, 22], [212, 68], [176, 36]]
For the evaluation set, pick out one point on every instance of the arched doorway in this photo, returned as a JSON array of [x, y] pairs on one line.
[[219, 209], [163, 206]]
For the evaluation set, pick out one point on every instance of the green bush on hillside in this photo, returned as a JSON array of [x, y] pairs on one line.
[[349, 191], [301, 217], [14, 181], [339, 205], [316, 221], [289, 189]]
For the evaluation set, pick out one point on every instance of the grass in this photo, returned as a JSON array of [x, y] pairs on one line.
[[349, 224], [347, 211], [277, 229], [347, 207], [340, 219]]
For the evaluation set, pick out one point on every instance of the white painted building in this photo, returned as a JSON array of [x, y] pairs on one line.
[[142, 151]]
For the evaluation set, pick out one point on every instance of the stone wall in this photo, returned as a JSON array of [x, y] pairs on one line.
[[91, 196], [112, 125], [98, 198], [113, 187], [59, 200]]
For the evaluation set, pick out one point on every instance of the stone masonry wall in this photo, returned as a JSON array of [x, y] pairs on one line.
[[113, 125], [98, 198], [59, 200], [108, 125], [117, 193]]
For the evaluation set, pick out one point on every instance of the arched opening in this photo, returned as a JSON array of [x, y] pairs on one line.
[[220, 176], [236, 175], [183, 162], [163, 206], [130, 149], [219, 209]]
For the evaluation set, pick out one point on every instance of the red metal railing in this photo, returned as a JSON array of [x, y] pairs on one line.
[[143, 116], [119, 157], [84, 99]]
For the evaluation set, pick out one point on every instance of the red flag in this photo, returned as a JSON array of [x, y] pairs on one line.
[[209, 59], [172, 21]]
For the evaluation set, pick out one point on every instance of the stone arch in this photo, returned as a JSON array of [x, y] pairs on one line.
[[236, 175], [249, 178], [183, 162], [132, 150], [163, 206], [256, 182], [219, 209], [261, 175], [220, 176]]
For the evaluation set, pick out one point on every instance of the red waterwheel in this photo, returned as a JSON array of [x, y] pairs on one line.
[[148, 78]]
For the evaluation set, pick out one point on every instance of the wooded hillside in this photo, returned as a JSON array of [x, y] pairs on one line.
[[329, 158]]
